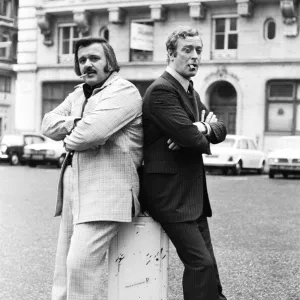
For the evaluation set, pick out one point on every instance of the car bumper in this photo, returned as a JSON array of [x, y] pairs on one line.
[[285, 168], [219, 164], [39, 158], [4, 157]]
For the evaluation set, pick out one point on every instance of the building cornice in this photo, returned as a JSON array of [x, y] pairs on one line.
[[203, 63], [67, 6]]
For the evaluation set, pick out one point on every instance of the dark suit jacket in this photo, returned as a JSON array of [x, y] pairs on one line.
[[173, 185]]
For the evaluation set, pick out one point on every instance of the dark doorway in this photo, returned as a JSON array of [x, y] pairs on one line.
[[141, 85], [55, 93], [223, 104]]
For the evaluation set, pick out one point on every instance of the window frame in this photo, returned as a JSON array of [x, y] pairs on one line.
[[66, 57], [131, 50], [224, 53], [7, 84], [5, 4], [266, 29], [103, 30], [6, 49], [293, 101]]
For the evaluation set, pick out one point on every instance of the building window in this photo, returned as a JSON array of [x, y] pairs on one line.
[[141, 40], [8, 8], [283, 107], [54, 93], [225, 41], [104, 33], [5, 84], [4, 45], [4, 7], [270, 29], [68, 35]]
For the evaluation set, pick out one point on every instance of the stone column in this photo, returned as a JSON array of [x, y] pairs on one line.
[[26, 107]]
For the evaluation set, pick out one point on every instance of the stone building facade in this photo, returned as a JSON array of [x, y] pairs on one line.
[[250, 72], [8, 56]]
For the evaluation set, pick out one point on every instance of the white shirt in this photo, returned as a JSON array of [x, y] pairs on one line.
[[185, 83]]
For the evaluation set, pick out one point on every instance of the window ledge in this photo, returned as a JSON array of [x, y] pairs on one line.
[[276, 133]]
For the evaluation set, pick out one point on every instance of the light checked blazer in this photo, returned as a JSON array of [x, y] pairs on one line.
[[108, 143]]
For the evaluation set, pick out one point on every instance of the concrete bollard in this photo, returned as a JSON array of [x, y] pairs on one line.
[[138, 262]]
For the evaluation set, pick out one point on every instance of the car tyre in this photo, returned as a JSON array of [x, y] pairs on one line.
[[31, 164], [261, 169], [224, 171], [238, 168], [271, 174], [14, 159]]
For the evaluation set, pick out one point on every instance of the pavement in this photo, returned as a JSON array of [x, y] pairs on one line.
[[255, 232]]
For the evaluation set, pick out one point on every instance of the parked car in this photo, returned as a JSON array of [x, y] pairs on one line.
[[285, 159], [236, 153], [51, 153], [12, 146]]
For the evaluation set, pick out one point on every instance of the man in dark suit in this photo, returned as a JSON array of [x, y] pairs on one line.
[[177, 129]]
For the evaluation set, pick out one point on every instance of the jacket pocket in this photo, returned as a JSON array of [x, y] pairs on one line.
[[163, 167]]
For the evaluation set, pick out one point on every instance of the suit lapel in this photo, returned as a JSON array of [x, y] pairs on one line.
[[187, 105]]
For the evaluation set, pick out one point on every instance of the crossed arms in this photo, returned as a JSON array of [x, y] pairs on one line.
[[167, 112], [110, 114]]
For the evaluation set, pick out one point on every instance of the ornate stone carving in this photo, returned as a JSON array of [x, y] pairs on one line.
[[244, 8], [82, 20], [116, 15], [289, 14], [197, 10], [221, 73], [44, 22], [158, 13], [288, 11]]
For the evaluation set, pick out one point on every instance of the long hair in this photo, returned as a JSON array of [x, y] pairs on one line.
[[112, 63], [179, 32]]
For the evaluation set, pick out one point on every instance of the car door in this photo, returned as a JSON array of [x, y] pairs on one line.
[[255, 154], [244, 153]]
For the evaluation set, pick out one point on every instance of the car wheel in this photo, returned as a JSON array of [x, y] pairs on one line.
[[261, 169], [14, 159], [225, 171], [238, 168], [31, 164], [60, 161], [271, 174]]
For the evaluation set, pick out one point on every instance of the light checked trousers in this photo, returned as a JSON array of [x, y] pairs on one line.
[[81, 252]]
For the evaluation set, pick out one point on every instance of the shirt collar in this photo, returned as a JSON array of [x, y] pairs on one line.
[[183, 81], [88, 90]]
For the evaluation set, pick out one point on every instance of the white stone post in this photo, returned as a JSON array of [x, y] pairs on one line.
[[138, 262]]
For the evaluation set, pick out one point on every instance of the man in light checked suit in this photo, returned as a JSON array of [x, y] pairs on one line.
[[101, 126]]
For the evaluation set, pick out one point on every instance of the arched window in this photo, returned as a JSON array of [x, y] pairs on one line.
[[104, 33], [270, 29]]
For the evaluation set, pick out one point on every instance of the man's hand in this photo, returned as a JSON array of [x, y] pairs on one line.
[[201, 127], [172, 145], [211, 117]]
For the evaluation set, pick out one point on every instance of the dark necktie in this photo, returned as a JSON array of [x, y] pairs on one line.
[[192, 98]]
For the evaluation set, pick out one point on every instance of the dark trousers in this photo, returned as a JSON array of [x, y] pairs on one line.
[[193, 244]]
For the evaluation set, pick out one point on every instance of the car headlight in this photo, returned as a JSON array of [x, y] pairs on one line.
[[50, 152], [27, 151], [273, 160], [3, 148]]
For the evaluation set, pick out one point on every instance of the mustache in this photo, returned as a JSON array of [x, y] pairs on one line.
[[89, 70]]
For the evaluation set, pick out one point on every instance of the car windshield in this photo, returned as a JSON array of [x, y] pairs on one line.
[[289, 143], [12, 139], [227, 143]]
